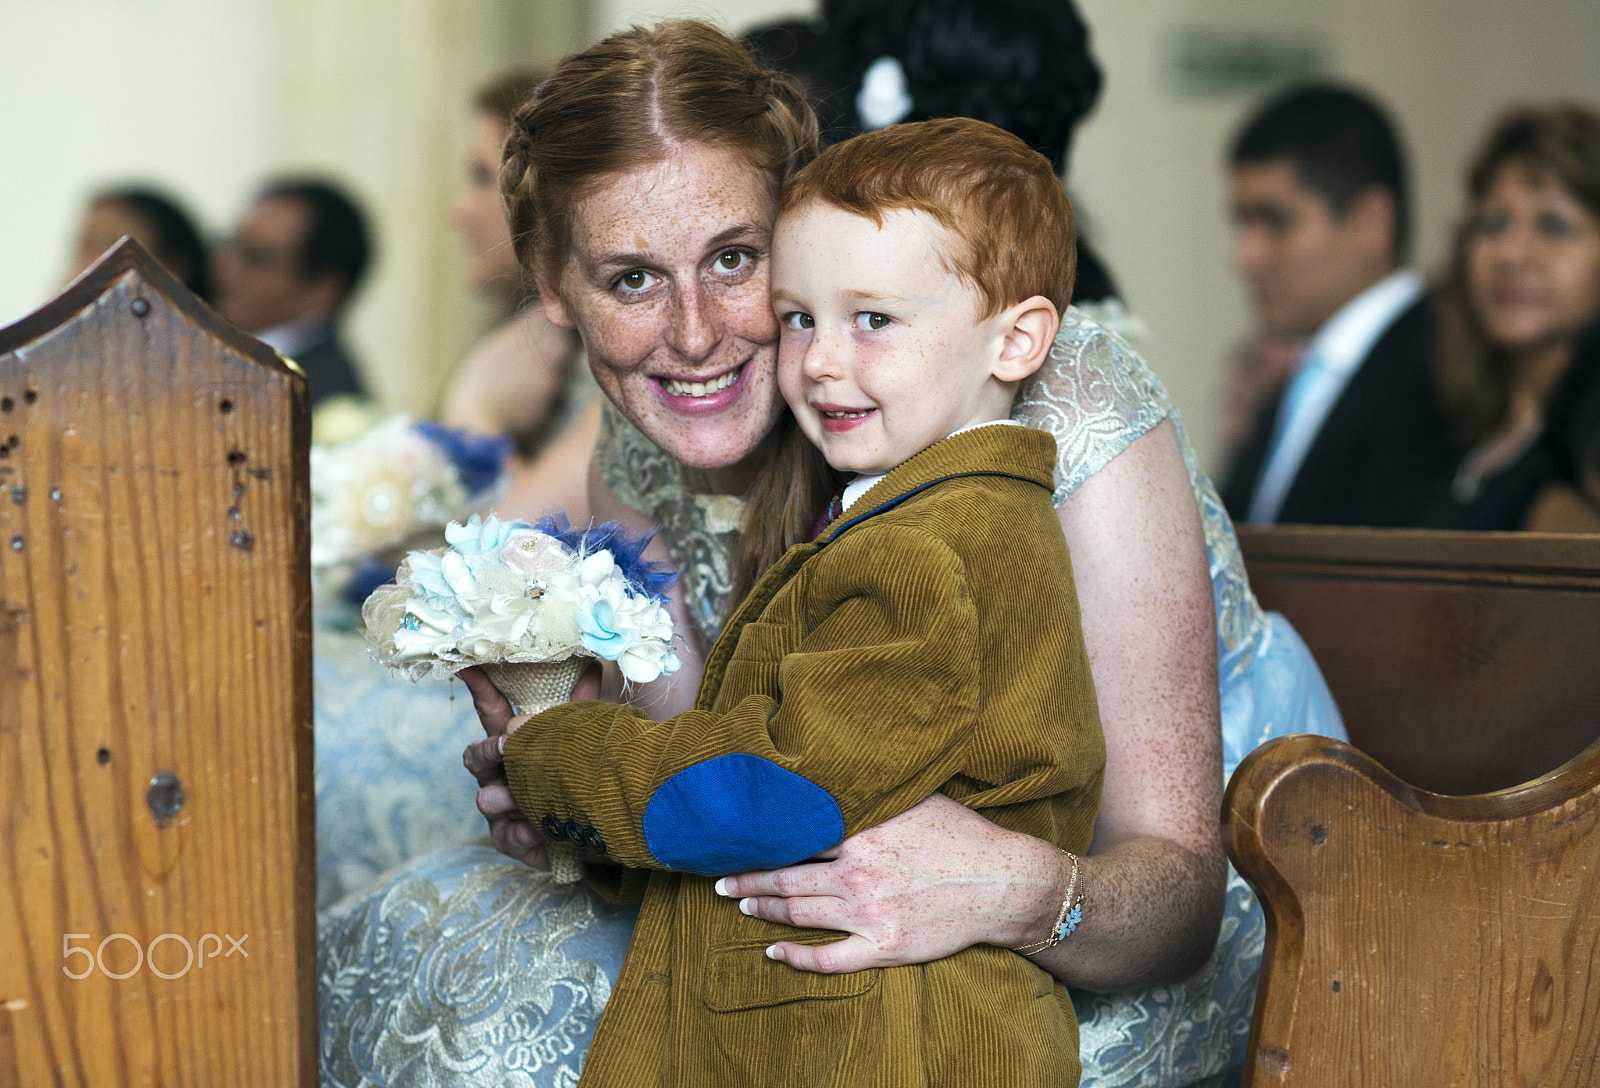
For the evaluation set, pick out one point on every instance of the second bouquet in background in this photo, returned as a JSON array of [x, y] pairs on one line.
[[530, 603]]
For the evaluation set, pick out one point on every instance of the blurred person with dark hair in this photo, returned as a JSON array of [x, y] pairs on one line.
[[1321, 209], [286, 275], [1024, 65], [1518, 308], [155, 221]]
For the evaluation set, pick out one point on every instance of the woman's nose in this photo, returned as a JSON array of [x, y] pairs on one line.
[[695, 327]]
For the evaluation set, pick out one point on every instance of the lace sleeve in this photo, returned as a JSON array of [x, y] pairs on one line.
[[1095, 395]]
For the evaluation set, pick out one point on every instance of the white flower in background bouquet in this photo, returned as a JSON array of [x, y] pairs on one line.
[[386, 488], [532, 604]]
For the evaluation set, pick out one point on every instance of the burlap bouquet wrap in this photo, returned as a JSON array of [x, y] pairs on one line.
[[534, 687]]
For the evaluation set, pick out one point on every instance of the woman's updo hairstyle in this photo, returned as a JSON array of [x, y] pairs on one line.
[[626, 103], [1561, 140], [1023, 65]]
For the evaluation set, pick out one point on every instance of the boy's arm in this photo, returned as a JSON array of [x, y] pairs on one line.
[[876, 703]]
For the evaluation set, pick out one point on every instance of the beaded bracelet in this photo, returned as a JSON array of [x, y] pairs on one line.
[[1067, 921]]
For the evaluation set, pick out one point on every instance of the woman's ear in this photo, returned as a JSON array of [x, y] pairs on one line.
[[555, 310], [1028, 329]]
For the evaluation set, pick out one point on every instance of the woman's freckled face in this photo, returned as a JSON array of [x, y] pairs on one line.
[[667, 282], [1533, 261]]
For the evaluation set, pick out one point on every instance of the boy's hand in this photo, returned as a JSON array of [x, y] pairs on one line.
[[510, 831]]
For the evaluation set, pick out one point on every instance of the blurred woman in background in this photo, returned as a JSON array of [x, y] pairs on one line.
[[152, 219], [525, 378], [1522, 289]]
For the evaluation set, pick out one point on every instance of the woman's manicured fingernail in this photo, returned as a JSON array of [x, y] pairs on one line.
[[721, 886], [772, 952], [501, 746], [747, 906]]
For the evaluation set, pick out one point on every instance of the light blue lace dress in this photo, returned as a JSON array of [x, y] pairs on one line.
[[463, 968]]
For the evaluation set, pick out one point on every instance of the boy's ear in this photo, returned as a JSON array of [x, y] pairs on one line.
[[555, 310], [1028, 329]]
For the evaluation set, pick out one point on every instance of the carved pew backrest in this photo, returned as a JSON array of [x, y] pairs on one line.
[[1462, 662], [1415, 939], [156, 837]]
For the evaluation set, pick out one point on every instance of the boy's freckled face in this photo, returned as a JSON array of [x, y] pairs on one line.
[[881, 353]]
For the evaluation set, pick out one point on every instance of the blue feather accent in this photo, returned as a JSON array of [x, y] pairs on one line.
[[627, 549], [478, 458]]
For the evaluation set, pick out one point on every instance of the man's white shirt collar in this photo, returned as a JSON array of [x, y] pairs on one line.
[[1339, 348]]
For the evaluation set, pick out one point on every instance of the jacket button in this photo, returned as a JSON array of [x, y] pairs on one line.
[[574, 832], [553, 828], [596, 843]]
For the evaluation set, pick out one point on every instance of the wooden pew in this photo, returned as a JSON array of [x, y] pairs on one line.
[[157, 866], [1413, 938]]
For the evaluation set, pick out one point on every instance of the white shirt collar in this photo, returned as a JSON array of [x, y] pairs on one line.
[[293, 337], [862, 484], [1347, 337]]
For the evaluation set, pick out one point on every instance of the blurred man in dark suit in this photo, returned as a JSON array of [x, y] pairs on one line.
[[288, 272], [1321, 217]]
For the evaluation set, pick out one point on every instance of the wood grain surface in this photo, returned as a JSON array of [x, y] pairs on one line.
[[1463, 662], [1414, 939], [154, 621]]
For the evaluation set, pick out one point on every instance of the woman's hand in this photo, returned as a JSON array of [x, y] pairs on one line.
[[510, 831], [918, 887]]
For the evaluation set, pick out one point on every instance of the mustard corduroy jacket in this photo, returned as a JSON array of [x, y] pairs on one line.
[[928, 641]]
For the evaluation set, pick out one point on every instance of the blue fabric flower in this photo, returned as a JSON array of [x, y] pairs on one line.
[[478, 458], [595, 620], [481, 536]]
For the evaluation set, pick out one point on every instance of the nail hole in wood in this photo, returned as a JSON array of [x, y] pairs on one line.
[[29, 397], [1319, 835], [55, 494], [236, 457], [19, 495], [16, 543], [140, 308], [5, 404], [1335, 985], [233, 513], [244, 540], [225, 406], [13, 441], [165, 796], [102, 756]]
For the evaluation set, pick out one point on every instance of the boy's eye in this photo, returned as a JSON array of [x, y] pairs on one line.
[[799, 320], [636, 279], [869, 320]]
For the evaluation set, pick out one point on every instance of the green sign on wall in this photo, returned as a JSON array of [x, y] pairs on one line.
[[1211, 63]]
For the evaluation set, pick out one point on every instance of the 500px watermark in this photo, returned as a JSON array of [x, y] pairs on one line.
[[144, 955]]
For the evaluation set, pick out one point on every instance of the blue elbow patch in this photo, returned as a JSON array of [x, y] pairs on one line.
[[739, 812]]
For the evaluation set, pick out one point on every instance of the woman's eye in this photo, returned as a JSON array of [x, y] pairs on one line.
[[871, 321], [799, 320], [636, 279], [732, 260], [1494, 224], [1555, 225]]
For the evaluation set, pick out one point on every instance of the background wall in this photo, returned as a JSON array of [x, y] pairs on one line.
[[208, 97]]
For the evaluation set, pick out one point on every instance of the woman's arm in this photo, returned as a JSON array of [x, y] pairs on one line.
[[509, 381], [939, 877]]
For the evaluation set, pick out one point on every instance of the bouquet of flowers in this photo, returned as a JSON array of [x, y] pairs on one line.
[[532, 604], [386, 488]]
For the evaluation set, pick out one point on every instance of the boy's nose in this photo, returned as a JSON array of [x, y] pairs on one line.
[[823, 360]]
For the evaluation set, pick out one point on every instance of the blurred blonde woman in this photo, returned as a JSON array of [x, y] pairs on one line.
[[525, 378]]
